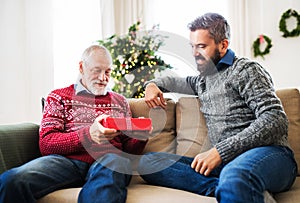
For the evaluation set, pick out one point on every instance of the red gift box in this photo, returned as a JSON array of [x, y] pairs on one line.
[[128, 124]]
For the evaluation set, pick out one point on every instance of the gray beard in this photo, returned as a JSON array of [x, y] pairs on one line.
[[209, 67]]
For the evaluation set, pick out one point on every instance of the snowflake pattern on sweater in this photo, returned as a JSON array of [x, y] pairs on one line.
[[67, 118]]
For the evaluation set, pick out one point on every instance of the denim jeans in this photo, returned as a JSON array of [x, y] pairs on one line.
[[39, 177], [243, 180]]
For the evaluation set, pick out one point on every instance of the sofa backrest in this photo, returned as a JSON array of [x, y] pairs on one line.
[[290, 99], [190, 127], [163, 120]]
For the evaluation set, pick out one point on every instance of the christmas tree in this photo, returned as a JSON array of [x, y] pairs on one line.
[[134, 59]]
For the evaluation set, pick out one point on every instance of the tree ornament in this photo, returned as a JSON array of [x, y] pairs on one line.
[[257, 46], [282, 24]]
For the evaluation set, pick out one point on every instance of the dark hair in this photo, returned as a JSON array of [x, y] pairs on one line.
[[216, 25]]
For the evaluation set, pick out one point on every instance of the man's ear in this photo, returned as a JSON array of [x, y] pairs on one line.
[[223, 46], [81, 67]]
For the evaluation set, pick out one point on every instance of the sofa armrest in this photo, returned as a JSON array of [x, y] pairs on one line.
[[18, 144]]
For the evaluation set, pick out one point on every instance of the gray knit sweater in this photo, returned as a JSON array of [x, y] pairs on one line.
[[240, 107]]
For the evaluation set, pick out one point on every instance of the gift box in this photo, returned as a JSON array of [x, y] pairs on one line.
[[128, 124]]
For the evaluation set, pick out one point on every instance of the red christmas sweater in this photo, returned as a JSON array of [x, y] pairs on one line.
[[67, 118]]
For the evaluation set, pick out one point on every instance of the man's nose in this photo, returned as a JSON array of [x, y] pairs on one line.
[[101, 76], [195, 52]]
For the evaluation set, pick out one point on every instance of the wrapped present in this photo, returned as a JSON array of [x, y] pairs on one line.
[[128, 124]]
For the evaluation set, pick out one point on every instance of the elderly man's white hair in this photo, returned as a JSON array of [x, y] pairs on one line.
[[88, 52]]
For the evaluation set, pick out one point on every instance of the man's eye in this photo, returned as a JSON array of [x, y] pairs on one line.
[[200, 46]]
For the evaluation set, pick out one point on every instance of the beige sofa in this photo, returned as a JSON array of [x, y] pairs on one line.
[[178, 129]]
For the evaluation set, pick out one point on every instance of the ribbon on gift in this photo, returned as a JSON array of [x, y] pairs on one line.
[[128, 123]]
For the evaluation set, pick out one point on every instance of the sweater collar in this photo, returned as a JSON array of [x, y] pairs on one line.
[[226, 60]]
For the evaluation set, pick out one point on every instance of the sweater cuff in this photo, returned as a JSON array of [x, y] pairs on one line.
[[150, 81], [225, 151], [158, 83]]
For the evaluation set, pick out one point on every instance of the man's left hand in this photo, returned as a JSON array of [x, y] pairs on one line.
[[205, 162]]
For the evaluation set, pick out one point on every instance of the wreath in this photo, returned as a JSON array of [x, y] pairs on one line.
[[282, 24], [258, 42]]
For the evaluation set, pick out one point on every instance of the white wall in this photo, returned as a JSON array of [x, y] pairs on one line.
[[12, 57], [72, 33], [26, 58], [283, 60], [26, 53]]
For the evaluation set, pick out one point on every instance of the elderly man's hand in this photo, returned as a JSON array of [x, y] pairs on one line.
[[100, 134]]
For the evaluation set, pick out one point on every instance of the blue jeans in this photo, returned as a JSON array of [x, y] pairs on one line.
[[39, 177], [242, 180]]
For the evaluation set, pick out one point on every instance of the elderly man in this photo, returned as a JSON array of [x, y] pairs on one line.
[[77, 150]]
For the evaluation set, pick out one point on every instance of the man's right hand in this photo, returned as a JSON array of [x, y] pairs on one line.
[[154, 96], [100, 134]]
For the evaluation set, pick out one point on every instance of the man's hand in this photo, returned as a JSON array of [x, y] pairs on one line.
[[205, 162], [154, 96], [100, 134]]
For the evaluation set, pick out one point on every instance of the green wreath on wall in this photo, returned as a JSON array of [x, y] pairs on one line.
[[256, 46], [282, 24]]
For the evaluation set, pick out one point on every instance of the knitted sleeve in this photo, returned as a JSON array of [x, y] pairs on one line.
[[53, 137], [255, 88], [175, 84]]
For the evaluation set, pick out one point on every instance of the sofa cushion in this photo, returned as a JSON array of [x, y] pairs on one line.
[[61, 196], [290, 99], [163, 121], [291, 196], [138, 191], [191, 127]]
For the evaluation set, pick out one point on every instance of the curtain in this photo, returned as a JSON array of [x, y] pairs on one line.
[[107, 18], [118, 15], [238, 17]]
